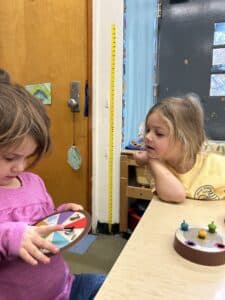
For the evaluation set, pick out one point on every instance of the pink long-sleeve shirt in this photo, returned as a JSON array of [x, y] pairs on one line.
[[19, 280]]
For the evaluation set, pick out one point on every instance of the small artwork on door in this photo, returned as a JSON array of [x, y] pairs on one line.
[[41, 90]]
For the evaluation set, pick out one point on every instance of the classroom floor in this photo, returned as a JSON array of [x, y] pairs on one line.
[[99, 257]]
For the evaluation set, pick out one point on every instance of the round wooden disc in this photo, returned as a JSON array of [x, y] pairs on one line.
[[76, 225], [209, 251]]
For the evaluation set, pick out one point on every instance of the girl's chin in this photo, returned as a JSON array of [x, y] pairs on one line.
[[152, 153], [8, 181]]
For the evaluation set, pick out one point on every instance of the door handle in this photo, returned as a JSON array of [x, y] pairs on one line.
[[73, 105], [74, 101]]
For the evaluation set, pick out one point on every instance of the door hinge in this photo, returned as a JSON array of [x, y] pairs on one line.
[[159, 10]]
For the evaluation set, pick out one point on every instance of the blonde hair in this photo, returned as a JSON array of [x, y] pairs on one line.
[[185, 119], [22, 114]]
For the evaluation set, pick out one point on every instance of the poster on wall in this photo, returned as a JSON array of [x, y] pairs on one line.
[[217, 80], [41, 90], [218, 60], [217, 85], [219, 34]]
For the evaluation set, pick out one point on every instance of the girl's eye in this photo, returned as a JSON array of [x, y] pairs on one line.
[[9, 158], [159, 134]]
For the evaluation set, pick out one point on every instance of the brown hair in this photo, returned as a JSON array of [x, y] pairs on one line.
[[22, 114], [185, 119]]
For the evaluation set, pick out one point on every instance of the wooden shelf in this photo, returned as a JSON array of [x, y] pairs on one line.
[[129, 187], [139, 192]]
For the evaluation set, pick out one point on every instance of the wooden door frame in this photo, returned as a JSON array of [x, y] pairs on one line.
[[89, 78]]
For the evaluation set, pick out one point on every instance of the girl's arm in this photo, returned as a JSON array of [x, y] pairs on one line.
[[167, 185], [17, 239], [11, 234]]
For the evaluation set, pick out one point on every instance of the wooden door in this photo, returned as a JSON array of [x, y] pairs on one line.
[[46, 41], [185, 55]]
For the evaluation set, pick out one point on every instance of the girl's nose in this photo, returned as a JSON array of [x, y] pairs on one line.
[[19, 167], [148, 136]]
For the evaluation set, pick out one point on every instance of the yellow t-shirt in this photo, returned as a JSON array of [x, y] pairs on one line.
[[206, 180]]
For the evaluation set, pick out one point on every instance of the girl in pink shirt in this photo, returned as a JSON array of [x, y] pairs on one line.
[[25, 271]]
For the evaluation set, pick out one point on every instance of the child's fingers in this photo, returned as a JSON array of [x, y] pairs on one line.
[[47, 229], [37, 254], [42, 243], [32, 255], [33, 243], [27, 257], [78, 207], [75, 207], [72, 206], [32, 251]]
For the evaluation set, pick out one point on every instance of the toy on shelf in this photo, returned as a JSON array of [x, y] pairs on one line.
[[201, 245], [76, 225]]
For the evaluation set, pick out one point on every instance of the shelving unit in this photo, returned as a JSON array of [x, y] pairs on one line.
[[130, 187]]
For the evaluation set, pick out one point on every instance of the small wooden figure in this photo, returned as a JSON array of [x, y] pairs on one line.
[[184, 226], [212, 227], [202, 234]]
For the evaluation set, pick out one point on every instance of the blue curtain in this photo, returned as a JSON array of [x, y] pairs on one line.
[[140, 27]]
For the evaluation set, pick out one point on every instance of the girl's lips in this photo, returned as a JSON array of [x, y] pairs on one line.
[[149, 148]]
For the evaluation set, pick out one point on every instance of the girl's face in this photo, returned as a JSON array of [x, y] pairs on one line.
[[158, 141], [14, 161]]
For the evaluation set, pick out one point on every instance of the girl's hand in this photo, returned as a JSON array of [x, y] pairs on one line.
[[32, 243], [70, 206], [141, 157]]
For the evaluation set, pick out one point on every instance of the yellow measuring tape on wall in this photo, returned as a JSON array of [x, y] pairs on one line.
[[111, 124]]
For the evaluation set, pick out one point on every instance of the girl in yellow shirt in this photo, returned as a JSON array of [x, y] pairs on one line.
[[174, 138]]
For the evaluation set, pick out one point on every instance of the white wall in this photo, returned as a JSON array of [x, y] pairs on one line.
[[105, 14]]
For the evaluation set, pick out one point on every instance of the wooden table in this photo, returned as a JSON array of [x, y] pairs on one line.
[[150, 268]]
